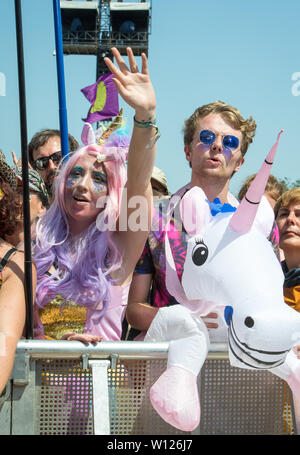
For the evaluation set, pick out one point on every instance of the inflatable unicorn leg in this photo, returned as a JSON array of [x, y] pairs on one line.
[[174, 395]]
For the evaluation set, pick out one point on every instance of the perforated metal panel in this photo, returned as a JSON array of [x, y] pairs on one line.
[[233, 400], [240, 401], [65, 398]]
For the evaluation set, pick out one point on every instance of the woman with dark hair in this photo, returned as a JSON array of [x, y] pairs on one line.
[[12, 295]]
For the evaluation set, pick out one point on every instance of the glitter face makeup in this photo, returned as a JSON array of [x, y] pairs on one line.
[[86, 182], [74, 175], [99, 181]]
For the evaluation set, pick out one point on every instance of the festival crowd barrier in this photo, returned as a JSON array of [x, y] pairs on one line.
[[65, 387]]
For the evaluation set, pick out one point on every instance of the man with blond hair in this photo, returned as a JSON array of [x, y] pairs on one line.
[[216, 139]]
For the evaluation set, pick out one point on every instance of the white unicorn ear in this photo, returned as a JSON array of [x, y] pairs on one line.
[[194, 211], [264, 219], [88, 134]]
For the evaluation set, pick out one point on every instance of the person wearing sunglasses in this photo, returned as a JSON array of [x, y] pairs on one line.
[[216, 139], [214, 147], [44, 152]]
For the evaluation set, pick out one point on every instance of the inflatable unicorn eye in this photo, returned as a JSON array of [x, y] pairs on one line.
[[249, 322], [200, 253]]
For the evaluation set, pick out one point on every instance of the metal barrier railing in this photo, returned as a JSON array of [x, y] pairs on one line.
[[63, 387]]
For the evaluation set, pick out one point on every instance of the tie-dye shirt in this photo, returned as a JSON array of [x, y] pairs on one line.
[[153, 260]]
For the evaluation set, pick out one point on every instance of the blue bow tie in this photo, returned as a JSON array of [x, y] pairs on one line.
[[217, 207]]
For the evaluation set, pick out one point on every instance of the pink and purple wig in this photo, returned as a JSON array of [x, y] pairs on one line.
[[84, 262]]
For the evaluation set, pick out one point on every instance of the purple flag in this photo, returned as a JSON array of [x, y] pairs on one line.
[[103, 96]]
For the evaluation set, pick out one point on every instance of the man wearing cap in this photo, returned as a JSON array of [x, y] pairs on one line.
[[216, 138], [159, 183]]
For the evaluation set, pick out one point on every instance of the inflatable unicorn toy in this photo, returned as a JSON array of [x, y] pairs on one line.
[[229, 264]]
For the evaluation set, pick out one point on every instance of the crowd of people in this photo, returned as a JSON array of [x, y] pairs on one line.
[[90, 247]]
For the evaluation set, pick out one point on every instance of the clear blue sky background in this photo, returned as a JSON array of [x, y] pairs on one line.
[[243, 53]]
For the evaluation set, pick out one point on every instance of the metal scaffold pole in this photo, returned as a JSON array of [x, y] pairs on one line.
[[61, 80], [25, 177]]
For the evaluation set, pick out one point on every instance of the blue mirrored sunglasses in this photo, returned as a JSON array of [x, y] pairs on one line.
[[208, 137]]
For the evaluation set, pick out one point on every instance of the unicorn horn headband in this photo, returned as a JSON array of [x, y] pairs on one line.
[[113, 140], [114, 125]]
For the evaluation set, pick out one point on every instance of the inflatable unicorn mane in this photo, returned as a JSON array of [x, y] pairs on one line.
[[229, 264]]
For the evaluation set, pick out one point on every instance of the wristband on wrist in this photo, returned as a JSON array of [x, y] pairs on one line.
[[148, 125]]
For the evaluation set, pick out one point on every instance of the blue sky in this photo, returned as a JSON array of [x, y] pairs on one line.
[[243, 53]]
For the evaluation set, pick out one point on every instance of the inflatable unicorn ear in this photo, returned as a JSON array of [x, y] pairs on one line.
[[194, 211]]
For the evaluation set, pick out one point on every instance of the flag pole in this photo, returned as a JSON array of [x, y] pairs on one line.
[[25, 177], [61, 80]]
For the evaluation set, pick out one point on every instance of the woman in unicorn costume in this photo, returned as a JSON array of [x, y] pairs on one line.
[[231, 267], [86, 234]]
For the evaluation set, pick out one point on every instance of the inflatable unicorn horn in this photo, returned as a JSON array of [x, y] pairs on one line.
[[243, 218], [231, 268]]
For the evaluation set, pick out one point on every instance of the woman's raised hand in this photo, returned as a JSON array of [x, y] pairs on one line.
[[135, 87]]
